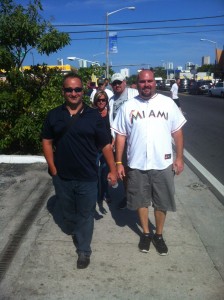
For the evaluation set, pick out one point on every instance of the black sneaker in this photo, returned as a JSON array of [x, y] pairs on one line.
[[160, 245], [83, 261], [144, 243], [123, 203]]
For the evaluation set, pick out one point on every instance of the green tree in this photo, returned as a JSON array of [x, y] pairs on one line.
[[24, 108], [86, 74], [216, 69], [22, 29], [206, 68], [25, 101], [160, 72], [132, 79]]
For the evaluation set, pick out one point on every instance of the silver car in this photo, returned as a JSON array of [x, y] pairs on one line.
[[217, 90]]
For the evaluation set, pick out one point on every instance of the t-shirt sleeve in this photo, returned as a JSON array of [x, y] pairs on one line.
[[178, 119], [47, 132], [118, 124]]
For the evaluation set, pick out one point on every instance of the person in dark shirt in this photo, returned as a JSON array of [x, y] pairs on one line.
[[100, 101], [76, 132]]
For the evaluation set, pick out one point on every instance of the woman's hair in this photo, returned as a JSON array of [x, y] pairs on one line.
[[98, 94]]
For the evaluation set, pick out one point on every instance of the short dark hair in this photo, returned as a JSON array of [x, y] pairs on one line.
[[71, 75]]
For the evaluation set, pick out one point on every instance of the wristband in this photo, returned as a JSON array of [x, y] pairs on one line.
[[118, 162]]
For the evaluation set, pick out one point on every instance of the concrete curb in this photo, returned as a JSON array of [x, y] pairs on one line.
[[21, 159], [216, 187]]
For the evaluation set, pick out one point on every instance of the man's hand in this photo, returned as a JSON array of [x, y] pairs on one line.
[[178, 166], [112, 177], [120, 171]]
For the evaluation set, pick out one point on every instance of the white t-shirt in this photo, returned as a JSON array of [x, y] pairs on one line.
[[148, 126], [174, 90], [109, 94], [116, 102]]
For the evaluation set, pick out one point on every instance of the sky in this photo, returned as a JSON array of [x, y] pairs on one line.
[[155, 33]]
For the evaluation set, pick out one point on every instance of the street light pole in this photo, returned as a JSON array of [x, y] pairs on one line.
[[92, 62], [213, 42], [107, 35], [94, 55]]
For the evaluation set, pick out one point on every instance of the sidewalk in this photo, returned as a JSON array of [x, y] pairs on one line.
[[44, 267]]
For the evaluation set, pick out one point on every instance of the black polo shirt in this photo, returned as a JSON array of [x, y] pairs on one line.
[[78, 143]]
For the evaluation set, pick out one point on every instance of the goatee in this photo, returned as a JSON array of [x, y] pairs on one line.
[[74, 105]]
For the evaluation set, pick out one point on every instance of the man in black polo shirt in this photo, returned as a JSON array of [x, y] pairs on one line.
[[77, 132]]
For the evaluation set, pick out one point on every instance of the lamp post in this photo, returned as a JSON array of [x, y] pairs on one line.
[[92, 62], [94, 55], [213, 42], [107, 35]]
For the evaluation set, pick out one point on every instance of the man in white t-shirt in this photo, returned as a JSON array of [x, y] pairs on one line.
[[148, 123], [174, 92], [121, 94]]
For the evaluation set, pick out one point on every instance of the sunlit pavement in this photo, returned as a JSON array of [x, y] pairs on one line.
[[38, 260]]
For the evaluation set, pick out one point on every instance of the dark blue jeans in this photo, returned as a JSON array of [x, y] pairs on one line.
[[103, 170], [78, 202]]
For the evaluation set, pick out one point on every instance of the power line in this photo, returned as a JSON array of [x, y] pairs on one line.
[[144, 35], [140, 22], [145, 28]]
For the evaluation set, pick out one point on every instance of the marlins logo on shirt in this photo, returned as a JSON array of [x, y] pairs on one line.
[[134, 115]]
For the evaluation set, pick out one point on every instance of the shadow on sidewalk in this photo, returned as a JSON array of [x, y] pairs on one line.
[[54, 209], [124, 217]]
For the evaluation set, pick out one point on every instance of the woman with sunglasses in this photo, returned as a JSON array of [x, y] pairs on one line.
[[100, 102]]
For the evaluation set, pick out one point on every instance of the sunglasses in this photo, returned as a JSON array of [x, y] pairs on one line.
[[117, 82], [70, 90], [101, 100]]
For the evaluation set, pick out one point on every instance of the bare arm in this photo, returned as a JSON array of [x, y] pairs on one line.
[[49, 155], [108, 154], [119, 146], [171, 92], [178, 163]]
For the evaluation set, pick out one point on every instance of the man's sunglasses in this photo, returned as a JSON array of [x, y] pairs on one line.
[[117, 82], [70, 90]]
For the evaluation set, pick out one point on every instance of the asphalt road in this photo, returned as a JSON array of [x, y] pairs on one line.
[[204, 131]]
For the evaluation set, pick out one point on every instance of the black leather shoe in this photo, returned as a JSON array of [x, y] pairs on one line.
[[83, 261]]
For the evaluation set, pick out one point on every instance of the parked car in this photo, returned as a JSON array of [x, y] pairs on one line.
[[198, 87], [165, 84], [184, 83], [159, 83], [217, 90], [207, 84]]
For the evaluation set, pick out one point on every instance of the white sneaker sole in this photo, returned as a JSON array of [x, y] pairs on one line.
[[144, 251]]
